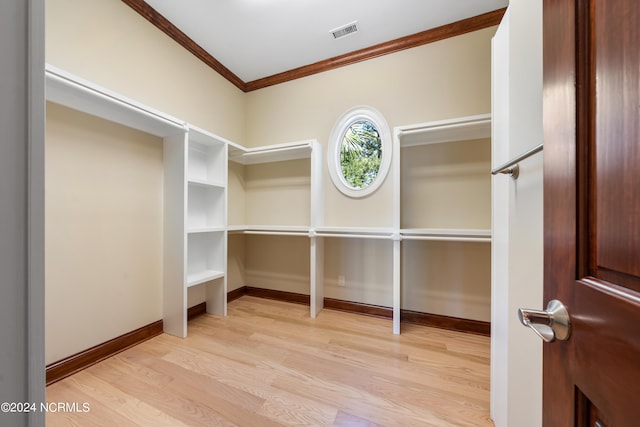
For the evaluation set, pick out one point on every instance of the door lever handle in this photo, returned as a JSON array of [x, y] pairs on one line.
[[550, 324]]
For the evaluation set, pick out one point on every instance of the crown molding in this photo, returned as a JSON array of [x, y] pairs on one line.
[[164, 25], [457, 28], [429, 36]]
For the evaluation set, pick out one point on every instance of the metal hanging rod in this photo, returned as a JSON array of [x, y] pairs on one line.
[[511, 168]]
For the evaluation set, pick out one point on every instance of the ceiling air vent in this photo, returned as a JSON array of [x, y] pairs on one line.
[[344, 30]]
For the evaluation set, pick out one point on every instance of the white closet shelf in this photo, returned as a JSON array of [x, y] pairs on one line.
[[355, 232], [274, 230], [270, 153], [206, 184], [206, 230], [74, 92], [194, 194], [446, 234], [201, 136], [203, 276], [459, 129]]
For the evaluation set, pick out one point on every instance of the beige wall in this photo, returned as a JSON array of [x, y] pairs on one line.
[[109, 44], [441, 80], [235, 261], [446, 185], [265, 256], [103, 231], [278, 193], [236, 204], [366, 266]]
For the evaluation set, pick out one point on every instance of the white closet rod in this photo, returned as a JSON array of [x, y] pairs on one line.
[[511, 167], [448, 238], [355, 236], [262, 151], [273, 233]]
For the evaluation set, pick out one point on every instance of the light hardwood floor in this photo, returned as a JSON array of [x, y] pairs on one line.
[[269, 364]]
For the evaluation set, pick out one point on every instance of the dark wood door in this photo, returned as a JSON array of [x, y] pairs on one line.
[[592, 210]]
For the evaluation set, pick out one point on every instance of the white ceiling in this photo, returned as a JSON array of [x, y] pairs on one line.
[[260, 38]]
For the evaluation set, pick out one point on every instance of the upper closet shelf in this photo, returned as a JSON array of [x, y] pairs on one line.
[[73, 92], [459, 129], [203, 137], [270, 153], [446, 234]]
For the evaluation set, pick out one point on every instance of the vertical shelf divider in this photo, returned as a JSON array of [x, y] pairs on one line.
[[174, 295], [316, 242]]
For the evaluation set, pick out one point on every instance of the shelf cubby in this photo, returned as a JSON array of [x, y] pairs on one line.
[[205, 206], [206, 163], [446, 186], [205, 257]]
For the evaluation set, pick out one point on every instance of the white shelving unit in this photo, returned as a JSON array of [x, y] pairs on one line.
[[271, 154], [195, 192], [195, 234], [206, 207], [206, 201], [196, 196], [459, 206], [466, 130]]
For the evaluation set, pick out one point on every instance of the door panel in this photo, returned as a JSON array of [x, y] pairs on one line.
[[606, 347], [592, 209], [617, 117]]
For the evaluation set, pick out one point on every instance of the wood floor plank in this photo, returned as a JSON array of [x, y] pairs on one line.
[[255, 378], [345, 419], [124, 404], [269, 364], [102, 411]]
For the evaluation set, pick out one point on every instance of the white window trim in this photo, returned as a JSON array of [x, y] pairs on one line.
[[356, 114]]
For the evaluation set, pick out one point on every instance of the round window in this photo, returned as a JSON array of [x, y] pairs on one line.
[[359, 152]]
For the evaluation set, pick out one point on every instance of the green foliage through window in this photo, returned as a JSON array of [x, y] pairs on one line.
[[360, 154]]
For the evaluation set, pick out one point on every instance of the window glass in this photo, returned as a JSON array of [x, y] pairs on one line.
[[359, 154]]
